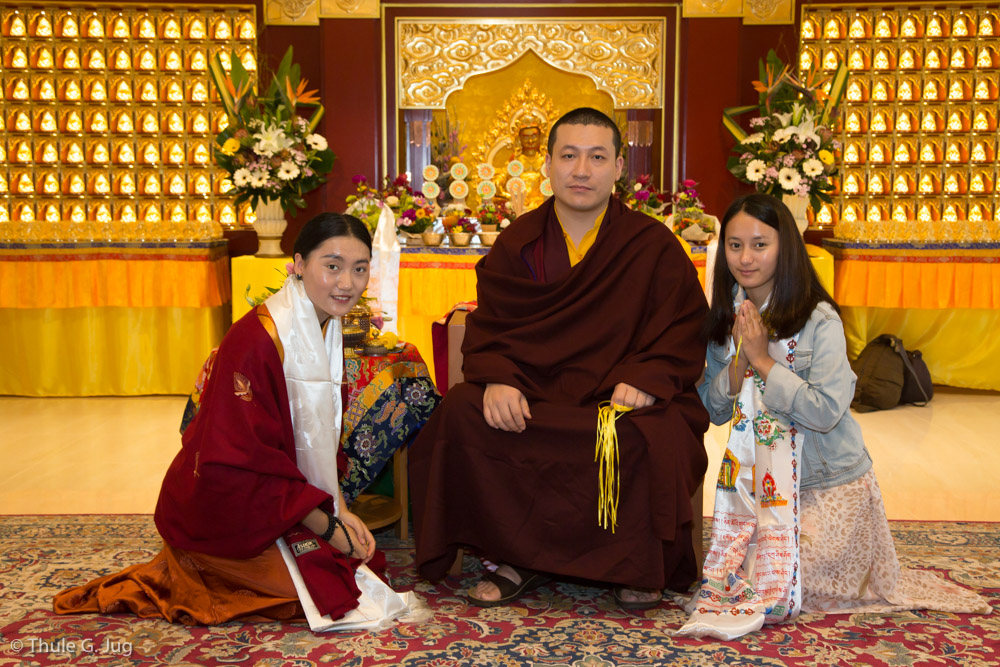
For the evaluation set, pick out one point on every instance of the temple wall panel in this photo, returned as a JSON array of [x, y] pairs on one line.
[[352, 62]]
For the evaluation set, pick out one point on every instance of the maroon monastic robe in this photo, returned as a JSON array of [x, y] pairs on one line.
[[631, 311], [232, 490], [235, 487]]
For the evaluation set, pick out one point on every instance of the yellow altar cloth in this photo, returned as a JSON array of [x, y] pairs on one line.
[[88, 319], [431, 281], [943, 299], [822, 261], [258, 274], [698, 256]]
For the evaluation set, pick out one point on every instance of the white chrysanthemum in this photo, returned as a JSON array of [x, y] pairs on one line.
[[241, 177], [288, 170], [755, 170], [754, 138], [392, 200], [317, 142], [271, 140], [258, 180], [789, 179], [812, 167], [638, 186]]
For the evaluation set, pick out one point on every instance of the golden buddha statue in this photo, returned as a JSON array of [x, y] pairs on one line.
[[522, 179], [511, 153]]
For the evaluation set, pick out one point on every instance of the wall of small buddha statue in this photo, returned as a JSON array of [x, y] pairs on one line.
[[342, 55], [919, 127], [108, 120]]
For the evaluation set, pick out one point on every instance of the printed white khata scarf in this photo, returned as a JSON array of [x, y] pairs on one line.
[[314, 371], [751, 571]]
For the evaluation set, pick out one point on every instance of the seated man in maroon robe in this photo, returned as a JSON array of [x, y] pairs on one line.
[[581, 301]]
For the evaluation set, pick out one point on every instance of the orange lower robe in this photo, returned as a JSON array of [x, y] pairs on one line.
[[192, 588]]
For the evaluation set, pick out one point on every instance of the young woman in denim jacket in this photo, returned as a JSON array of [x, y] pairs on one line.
[[848, 560]]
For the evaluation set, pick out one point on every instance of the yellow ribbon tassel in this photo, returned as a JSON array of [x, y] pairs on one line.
[[606, 455]]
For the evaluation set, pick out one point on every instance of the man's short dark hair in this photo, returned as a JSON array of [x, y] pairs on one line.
[[586, 116]]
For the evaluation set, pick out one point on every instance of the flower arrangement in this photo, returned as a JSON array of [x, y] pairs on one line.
[[455, 224], [366, 203], [269, 150], [490, 213], [688, 209], [414, 213], [418, 217], [791, 147], [643, 196]]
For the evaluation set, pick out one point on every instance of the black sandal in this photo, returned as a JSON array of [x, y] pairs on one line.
[[509, 591], [635, 605]]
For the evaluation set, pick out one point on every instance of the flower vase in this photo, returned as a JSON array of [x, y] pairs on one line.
[[798, 206], [432, 239], [411, 239], [488, 238], [459, 239], [270, 226]]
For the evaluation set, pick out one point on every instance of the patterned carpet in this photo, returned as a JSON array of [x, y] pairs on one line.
[[561, 624]]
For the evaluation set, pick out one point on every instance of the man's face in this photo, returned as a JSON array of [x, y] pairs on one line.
[[583, 167], [531, 138]]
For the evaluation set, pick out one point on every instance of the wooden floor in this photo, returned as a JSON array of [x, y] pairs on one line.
[[108, 455]]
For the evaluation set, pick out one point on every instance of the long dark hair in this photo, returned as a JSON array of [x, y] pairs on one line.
[[327, 226], [797, 289]]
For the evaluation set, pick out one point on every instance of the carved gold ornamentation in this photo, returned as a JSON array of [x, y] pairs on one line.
[[309, 12], [291, 12], [752, 11], [624, 59], [347, 9], [773, 12], [712, 8]]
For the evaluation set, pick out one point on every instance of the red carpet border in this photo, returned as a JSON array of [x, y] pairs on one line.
[[559, 625]]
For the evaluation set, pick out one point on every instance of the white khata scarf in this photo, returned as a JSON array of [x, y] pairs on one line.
[[751, 571], [314, 371]]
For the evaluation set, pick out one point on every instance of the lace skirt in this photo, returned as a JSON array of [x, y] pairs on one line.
[[849, 561]]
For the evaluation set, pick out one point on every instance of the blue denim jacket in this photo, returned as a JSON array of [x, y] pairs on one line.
[[817, 397]]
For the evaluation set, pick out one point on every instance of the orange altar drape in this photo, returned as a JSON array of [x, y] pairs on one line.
[[943, 299], [86, 319]]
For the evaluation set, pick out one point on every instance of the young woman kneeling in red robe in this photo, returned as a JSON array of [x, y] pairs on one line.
[[250, 511]]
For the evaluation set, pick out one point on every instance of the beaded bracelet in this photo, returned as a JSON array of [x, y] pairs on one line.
[[332, 528]]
